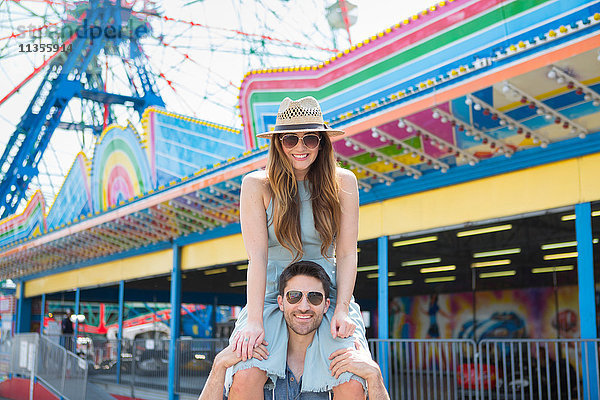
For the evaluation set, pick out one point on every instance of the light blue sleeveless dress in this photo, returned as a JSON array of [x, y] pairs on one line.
[[317, 376]]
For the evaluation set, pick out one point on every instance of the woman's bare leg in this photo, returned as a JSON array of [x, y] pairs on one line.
[[248, 384], [351, 390]]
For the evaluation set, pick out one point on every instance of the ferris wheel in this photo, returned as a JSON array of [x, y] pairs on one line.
[[71, 68]]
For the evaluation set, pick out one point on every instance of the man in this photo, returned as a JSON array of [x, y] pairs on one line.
[[67, 331], [303, 299], [67, 324]]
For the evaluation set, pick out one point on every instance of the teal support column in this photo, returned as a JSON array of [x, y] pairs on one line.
[[42, 313], [120, 329], [382, 306], [23, 323], [175, 320], [587, 299], [76, 312], [72, 344]]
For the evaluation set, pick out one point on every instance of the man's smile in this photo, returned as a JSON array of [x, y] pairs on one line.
[[304, 316]]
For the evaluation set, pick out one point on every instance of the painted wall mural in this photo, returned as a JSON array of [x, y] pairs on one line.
[[120, 169], [516, 313], [127, 164]]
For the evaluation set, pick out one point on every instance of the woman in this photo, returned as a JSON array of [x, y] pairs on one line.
[[301, 207]]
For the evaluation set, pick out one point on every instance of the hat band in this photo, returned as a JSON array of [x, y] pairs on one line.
[[299, 127]]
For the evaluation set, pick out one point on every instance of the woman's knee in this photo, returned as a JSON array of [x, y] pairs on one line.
[[249, 380], [352, 389]]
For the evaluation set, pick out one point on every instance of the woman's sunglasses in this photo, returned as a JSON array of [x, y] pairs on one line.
[[310, 140], [314, 298]]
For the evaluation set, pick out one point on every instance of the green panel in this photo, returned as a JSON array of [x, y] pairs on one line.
[[391, 151], [364, 158]]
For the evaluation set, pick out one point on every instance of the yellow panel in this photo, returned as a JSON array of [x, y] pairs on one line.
[[370, 221], [590, 184], [111, 272], [533, 189], [224, 250], [64, 281]]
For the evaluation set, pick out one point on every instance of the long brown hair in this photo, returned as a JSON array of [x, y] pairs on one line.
[[324, 188]]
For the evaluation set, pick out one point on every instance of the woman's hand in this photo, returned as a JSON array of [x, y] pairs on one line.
[[341, 324], [247, 338], [228, 357]]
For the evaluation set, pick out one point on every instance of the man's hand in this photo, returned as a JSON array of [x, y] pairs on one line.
[[228, 357], [341, 325], [357, 361]]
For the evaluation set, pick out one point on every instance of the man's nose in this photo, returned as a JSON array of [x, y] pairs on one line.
[[304, 304]]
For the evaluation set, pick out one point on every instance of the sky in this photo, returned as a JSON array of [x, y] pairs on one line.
[[198, 69]]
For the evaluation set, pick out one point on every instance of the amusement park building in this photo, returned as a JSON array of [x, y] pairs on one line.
[[473, 130]]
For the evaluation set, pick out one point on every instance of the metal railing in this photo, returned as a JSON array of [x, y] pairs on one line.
[[561, 369], [144, 362], [194, 361], [540, 369], [60, 370], [5, 355], [414, 369], [424, 369]]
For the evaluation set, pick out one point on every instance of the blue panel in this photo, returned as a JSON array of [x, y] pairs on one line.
[[74, 198], [462, 111], [183, 146]]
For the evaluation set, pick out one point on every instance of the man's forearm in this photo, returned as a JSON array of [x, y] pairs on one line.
[[213, 388], [376, 388]]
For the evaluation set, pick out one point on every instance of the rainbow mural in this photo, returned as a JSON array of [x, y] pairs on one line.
[[120, 169]]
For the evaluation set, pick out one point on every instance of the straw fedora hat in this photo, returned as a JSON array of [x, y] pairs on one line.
[[298, 116]]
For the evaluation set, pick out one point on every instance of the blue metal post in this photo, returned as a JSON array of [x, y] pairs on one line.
[[382, 301], [587, 297], [120, 329], [42, 313], [23, 323], [175, 320], [19, 306], [76, 328]]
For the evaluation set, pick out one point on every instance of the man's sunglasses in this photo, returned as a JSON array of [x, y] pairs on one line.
[[314, 298], [290, 140]]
